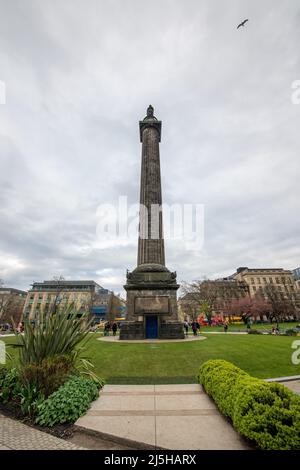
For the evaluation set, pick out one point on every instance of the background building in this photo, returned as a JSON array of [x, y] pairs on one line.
[[258, 279], [12, 302], [85, 296], [260, 294]]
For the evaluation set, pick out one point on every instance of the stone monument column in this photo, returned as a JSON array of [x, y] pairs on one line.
[[151, 288], [151, 243]]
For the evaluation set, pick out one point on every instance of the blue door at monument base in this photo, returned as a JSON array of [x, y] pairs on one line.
[[151, 327]]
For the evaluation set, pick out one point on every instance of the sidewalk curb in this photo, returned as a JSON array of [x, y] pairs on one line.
[[284, 379]]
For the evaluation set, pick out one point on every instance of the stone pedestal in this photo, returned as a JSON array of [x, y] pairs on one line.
[[151, 291]]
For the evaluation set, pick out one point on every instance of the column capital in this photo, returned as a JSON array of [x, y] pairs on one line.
[[150, 121]]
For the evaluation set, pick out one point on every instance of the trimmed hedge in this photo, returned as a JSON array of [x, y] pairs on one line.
[[69, 402], [266, 413]]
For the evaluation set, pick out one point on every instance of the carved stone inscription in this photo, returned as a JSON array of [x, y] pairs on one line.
[[155, 304]]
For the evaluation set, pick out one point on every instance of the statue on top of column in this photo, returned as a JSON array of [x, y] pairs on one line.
[[150, 114]]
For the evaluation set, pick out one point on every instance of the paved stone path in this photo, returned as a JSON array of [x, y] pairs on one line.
[[226, 333], [292, 382], [19, 436], [147, 341], [293, 385], [160, 416]]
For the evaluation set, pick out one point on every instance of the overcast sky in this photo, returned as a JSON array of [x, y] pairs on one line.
[[79, 75]]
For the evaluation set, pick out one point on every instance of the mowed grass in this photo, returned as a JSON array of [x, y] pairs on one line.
[[267, 327], [123, 363]]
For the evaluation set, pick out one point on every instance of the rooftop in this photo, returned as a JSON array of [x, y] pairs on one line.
[[63, 284], [259, 270], [12, 290]]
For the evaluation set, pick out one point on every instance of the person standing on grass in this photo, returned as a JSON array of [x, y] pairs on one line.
[[225, 327]]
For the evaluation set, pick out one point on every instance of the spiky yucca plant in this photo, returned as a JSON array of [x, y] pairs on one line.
[[53, 334]]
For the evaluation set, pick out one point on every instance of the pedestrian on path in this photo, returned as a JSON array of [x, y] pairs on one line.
[[114, 328], [186, 327], [194, 328], [106, 329], [225, 327]]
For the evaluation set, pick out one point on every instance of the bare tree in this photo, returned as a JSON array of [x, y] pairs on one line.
[[114, 302], [281, 304], [11, 305], [202, 295], [55, 305], [5, 302], [210, 296], [247, 307]]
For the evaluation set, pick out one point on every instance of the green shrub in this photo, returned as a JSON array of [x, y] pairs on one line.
[[47, 376], [53, 334], [266, 413], [69, 402], [254, 332], [52, 348], [30, 398], [291, 332], [9, 384], [12, 389]]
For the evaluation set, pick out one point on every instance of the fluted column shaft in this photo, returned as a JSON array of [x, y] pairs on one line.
[[151, 242]]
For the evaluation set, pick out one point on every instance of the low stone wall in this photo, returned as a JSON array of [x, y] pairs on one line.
[[171, 330], [167, 330], [132, 330]]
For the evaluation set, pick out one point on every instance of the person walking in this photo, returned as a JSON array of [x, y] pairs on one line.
[[186, 327], [106, 329], [114, 328], [225, 327], [194, 328]]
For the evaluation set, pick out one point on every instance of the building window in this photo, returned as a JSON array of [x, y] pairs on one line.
[[252, 280], [271, 280]]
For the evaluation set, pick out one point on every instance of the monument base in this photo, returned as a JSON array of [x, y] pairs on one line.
[[132, 330], [171, 330], [151, 304], [166, 330]]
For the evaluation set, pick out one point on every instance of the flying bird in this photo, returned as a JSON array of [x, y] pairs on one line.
[[242, 23]]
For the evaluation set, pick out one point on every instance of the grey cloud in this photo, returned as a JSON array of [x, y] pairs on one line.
[[79, 75]]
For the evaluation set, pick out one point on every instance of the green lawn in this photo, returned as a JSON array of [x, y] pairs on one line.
[[259, 326], [123, 363]]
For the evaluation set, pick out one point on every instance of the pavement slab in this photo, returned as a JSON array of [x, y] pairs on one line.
[[171, 417], [116, 339], [18, 436], [293, 385]]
